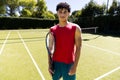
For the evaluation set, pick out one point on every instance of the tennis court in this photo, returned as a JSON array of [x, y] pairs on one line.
[[23, 56]]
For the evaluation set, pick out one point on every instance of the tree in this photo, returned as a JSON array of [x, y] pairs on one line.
[[76, 13], [118, 9], [113, 8], [49, 15], [74, 16], [12, 4], [2, 7], [26, 13], [104, 8], [92, 9], [41, 9], [28, 4]]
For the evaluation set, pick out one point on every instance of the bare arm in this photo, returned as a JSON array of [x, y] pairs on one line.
[[78, 44]]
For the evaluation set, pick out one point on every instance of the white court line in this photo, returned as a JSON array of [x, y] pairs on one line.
[[4, 43], [106, 74], [115, 53], [39, 71]]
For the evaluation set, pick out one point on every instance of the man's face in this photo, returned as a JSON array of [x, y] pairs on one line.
[[63, 14]]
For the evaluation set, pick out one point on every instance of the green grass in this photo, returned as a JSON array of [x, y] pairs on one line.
[[16, 64]]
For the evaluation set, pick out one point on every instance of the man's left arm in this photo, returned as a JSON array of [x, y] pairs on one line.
[[78, 44]]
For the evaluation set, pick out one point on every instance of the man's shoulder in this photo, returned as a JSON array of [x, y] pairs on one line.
[[74, 25], [53, 27]]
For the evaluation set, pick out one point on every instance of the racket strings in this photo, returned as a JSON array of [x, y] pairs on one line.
[[50, 43]]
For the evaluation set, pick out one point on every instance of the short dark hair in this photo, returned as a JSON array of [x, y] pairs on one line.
[[62, 5]]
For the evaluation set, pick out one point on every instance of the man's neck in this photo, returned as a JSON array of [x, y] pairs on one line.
[[63, 24]]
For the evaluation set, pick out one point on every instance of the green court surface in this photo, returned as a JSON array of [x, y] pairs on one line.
[[23, 56]]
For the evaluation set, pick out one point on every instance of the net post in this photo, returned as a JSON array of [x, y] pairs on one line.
[[96, 29]]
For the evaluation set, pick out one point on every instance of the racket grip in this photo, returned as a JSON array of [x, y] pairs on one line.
[[51, 63]]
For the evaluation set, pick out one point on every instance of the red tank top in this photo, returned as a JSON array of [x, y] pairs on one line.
[[64, 46]]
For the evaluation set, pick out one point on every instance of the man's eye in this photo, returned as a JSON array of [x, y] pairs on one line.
[[60, 12], [65, 12]]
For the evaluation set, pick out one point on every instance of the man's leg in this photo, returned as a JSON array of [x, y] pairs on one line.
[[57, 71], [65, 74]]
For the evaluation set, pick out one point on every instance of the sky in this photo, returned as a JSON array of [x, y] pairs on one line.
[[75, 4]]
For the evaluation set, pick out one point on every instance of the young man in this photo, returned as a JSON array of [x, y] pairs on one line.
[[68, 45]]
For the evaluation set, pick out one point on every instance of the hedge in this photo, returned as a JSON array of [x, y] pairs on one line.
[[25, 23], [105, 23]]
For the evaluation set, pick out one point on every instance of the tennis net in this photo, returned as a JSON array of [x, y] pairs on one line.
[[89, 33], [89, 30]]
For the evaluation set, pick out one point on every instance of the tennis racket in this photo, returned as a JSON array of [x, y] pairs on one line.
[[50, 45]]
